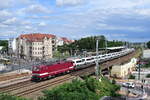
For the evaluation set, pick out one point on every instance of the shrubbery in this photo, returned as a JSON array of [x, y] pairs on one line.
[[9, 97], [148, 76], [147, 65], [131, 77], [90, 89]]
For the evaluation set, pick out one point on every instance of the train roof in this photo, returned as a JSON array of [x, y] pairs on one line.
[[115, 48], [43, 64]]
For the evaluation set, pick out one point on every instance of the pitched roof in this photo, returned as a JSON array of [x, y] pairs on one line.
[[67, 40], [33, 37]]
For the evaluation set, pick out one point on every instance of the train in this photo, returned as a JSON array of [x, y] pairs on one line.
[[47, 71]]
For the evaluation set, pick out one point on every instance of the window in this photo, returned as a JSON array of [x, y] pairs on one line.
[[35, 68], [78, 61]]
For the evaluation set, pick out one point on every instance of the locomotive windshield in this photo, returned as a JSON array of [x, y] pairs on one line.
[[35, 68]]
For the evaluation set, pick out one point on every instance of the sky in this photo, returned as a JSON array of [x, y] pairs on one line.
[[126, 20]]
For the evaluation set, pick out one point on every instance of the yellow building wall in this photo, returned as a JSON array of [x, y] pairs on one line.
[[120, 71]]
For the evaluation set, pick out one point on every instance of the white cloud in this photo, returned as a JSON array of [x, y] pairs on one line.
[[25, 22], [3, 26], [6, 3], [12, 3], [4, 13], [28, 27], [10, 21], [34, 9], [145, 12], [42, 24], [68, 2]]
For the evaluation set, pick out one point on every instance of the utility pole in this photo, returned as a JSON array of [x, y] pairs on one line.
[[139, 71], [97, 65], [140, 63], [105, 45], [97, 69]]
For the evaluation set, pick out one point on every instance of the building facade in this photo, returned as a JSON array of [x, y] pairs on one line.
[[121, 71], [35, 46], [12, 46]]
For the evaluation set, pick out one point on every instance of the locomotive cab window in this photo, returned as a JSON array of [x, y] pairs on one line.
[[35, 69]]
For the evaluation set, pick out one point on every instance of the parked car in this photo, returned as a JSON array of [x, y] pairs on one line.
[[128, 85]]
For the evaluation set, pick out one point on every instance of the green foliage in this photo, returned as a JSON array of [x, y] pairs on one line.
[[148, 44], [147, 65], [9, 97], [88, 44], [113, 81], [148, 76], [131, 77], [57, 54], [4, 43], [90, 89]]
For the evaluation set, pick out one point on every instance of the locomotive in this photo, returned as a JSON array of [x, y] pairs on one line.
[[46, 71]]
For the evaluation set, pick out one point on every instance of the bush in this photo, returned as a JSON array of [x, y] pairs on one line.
[[113, 81], [148, 76], [131, 77], [9, 97], [147, 65], [90, 89]]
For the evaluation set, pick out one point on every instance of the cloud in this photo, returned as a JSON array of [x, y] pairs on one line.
[[26, 22], [12, 3], [42, 24], [10, 21], [27, 27], [145, 12], [35, 9], [6, 3], [5, 13], [69, 2]]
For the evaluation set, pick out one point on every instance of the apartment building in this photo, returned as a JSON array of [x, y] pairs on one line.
[[35, 46]]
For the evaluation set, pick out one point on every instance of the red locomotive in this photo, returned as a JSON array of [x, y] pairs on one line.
[[46, 71]]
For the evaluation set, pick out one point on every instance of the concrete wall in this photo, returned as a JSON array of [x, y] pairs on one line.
[[146, 53], [120, 71]]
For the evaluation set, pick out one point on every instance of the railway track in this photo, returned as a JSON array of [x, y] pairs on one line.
[[13, 87], [44, 86]]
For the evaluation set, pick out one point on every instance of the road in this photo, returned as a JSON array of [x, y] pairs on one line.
[[145, 93]]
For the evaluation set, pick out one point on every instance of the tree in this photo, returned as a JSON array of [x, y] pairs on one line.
[[148, 76], [87, 44], [4, 43], [57, 54], [148, 44]]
